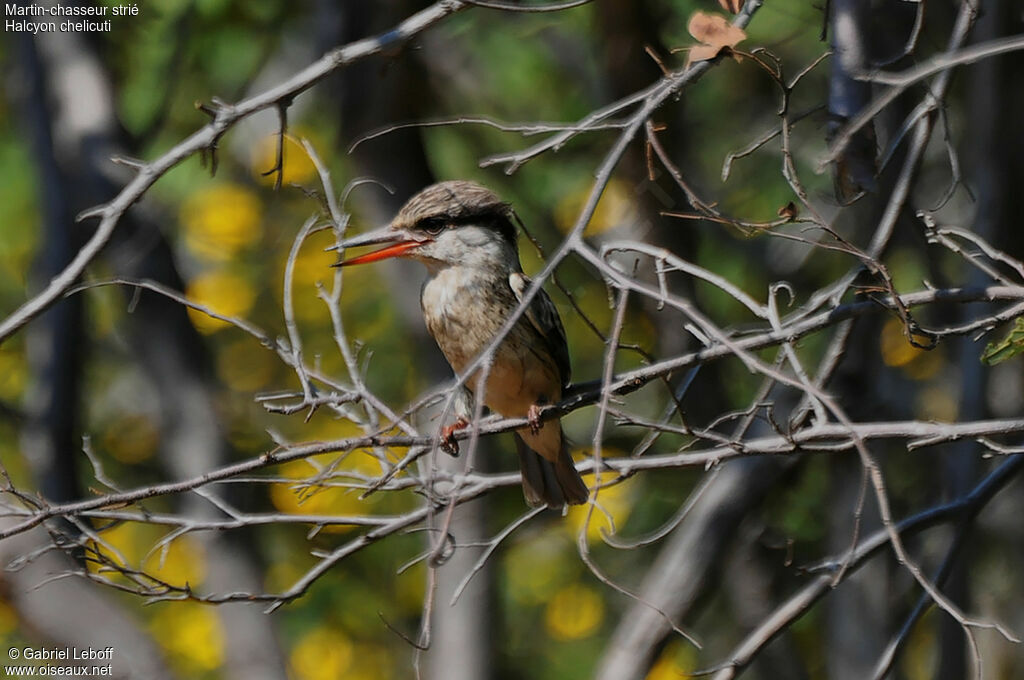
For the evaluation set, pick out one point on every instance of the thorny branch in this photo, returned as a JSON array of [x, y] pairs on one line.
[[225, 116]]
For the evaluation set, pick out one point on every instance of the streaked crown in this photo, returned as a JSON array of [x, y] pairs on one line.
[[449, 204]]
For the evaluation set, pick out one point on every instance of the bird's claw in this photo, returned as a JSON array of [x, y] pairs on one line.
[[533, 418], [449, 444]]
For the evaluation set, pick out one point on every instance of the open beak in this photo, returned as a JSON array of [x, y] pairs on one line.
[[398, 243]]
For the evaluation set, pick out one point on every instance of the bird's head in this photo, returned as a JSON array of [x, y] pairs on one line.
[[447, 224]]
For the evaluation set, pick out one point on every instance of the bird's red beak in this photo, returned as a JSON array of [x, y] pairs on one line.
[[399, 242], [394, 250]]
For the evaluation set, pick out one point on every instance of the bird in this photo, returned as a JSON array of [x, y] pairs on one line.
[[465, 236]]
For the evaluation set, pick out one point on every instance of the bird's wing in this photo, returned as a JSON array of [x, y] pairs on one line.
[[543, 316]]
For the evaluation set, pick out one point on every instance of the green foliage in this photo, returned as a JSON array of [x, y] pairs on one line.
[[20, 227], [1008, 347]]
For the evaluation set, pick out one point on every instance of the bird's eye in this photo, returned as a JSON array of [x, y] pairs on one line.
[[432, 225]]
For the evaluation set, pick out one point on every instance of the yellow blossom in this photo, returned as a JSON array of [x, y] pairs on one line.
[[191, 634], [298, 168], [220, 220], [222, 292], [574, 612], [321, 655], [613, 506]]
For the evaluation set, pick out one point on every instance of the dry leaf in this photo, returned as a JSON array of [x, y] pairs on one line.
[[789, 211], [702, 53], [733, 6], [715, 32]]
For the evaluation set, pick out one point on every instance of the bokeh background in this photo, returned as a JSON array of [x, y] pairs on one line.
[[155, 392]]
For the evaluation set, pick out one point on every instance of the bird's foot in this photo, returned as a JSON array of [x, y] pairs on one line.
[[533, 418], [448, 442]]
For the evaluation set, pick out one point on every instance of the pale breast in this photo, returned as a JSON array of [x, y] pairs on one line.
[[464, 311]]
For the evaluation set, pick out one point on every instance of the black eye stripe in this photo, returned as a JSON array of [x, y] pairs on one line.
[[432, 225], [499, 221]]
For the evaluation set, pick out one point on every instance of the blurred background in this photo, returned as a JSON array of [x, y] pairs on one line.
[[132, 387]]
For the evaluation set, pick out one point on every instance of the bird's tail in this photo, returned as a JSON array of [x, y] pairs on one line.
[[547, 483]]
